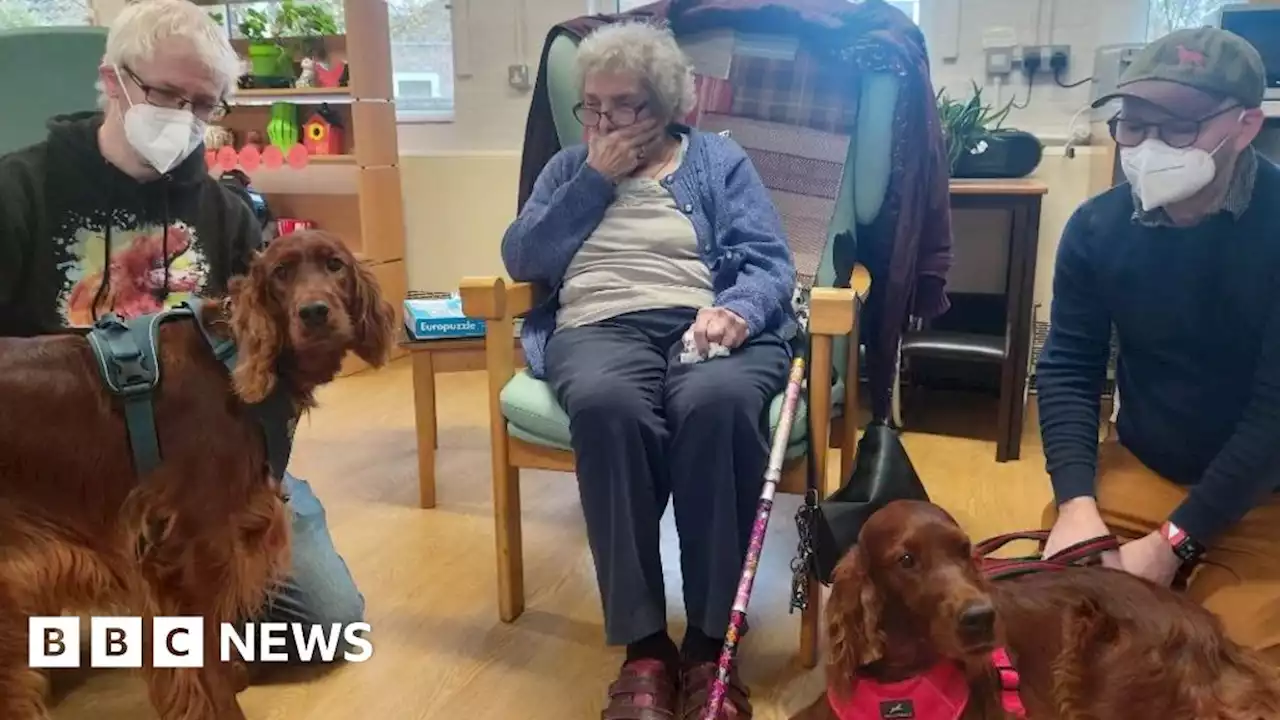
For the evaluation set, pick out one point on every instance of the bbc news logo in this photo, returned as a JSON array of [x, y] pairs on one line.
[[178, 642]]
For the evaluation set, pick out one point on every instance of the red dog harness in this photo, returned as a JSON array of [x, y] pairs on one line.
[[942, 692]]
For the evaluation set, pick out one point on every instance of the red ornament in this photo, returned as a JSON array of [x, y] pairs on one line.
[[227, 158], [322, 136], [298, 157], [330, 75], [272, 157], [250, 158]]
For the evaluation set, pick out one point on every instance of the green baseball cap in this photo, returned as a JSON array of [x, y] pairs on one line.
[[1190, 72]]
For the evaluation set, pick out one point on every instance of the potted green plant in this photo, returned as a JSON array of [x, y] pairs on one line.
[[978, 146], [305, 26], [276, 41], [267, 58]]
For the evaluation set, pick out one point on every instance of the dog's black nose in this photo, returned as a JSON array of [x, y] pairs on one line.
[[314, 313], [978, 619]]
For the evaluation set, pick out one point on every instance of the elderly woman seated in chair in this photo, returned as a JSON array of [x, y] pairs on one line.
[[652, 235]]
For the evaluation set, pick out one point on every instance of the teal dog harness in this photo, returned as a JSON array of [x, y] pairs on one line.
[[128, 356]]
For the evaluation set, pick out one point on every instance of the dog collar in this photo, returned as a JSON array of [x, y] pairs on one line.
[[940, 693]]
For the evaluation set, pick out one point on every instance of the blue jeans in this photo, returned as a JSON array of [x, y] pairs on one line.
[[320, 589]]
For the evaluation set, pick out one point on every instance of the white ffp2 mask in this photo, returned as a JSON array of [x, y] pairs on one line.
[[164, 137], [1163, 175]]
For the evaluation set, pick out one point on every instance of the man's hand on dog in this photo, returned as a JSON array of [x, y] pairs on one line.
[[1078, 521], [1152, 558]]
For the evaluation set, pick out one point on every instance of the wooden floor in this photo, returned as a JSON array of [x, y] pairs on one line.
[[429, 580]]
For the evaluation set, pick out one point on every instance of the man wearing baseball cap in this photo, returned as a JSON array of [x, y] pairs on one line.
[[1183, 261]]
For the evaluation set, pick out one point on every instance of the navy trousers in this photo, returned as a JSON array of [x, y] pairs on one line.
[[646, 428]]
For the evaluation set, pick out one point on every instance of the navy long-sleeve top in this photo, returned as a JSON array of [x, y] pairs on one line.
[[1197, 314]]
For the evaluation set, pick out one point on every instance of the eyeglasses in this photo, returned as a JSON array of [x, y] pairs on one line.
[[1174, 133], [211, 112], [618, 117]]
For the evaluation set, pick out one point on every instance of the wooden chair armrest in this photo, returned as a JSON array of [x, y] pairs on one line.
[[493, 298], [832, 310]]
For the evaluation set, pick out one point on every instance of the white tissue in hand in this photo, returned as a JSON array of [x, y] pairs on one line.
[[691, 355]]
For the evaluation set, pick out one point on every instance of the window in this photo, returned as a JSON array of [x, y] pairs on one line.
[[1165, 16], [422, 58], [421, 51], [43, 13]]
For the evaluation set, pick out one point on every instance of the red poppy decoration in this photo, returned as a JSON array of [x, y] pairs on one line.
[[272, 157], [298, 157], [227, 158], [250, 158]]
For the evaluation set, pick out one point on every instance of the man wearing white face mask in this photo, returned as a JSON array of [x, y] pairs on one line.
[[1183, 261], [116, 211]]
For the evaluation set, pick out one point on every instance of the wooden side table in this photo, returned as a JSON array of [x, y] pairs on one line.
[[1022, 198], [431, 357]]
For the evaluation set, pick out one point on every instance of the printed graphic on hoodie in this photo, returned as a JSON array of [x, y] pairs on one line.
[[130, 257]]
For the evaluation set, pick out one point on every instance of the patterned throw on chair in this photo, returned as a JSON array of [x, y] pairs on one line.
[[793, 116]]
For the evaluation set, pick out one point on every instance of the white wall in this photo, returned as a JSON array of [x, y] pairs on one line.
[[489, 36], [954, 31]]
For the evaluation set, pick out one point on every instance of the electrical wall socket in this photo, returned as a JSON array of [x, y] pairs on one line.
[[518, 76], [999, 61], [1046, 52]]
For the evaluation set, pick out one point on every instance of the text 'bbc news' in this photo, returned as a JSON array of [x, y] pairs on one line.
[[179, 642]]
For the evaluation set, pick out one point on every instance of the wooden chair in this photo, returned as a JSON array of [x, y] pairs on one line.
[[528, 429], [833, 314]]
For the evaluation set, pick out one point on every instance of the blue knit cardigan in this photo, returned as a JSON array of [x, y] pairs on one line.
[[740, 235]]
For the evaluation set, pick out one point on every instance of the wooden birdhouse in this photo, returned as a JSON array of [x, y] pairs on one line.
[[322, 133]]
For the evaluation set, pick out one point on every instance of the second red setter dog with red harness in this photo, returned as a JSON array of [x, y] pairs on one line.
[[913, 620], [202, 530]]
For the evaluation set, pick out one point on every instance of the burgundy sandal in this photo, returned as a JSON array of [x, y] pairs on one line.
[[696, 680], [644, 690]]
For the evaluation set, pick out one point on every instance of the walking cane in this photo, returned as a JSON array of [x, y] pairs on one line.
[[738, 615]]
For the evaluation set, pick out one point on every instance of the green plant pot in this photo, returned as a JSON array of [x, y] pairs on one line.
[[269, 60]]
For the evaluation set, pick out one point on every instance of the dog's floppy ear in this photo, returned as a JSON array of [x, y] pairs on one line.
[[373, 317], [853, 621], [256, 327]]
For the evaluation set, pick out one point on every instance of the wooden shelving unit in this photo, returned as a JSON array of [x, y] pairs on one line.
[[355, 194]]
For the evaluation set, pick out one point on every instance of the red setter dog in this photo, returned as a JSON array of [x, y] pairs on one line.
[[205, 533], [1088, 643]]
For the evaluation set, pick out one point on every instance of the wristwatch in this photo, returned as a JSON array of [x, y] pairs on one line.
[[1187, 550]]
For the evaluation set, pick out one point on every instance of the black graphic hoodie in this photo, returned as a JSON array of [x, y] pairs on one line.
[[80, 238]]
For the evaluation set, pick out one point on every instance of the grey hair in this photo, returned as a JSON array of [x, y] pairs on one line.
[[648, 51], [144, 24]]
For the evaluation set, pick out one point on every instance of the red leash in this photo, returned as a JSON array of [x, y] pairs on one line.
[[1004, 568]]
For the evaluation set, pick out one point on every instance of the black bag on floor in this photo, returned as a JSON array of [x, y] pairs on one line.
[[882, 473]]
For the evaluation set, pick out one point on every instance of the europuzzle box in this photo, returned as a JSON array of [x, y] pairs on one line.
[[437, 316]]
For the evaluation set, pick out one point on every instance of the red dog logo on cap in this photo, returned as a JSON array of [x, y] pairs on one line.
[[1190, 57]]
